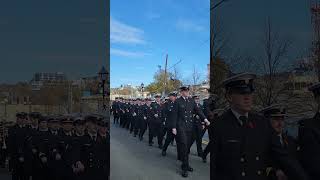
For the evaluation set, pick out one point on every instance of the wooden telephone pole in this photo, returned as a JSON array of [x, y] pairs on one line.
[[165, 77], [212, 45]]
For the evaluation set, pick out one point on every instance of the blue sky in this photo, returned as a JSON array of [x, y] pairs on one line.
[[243, 23], [143, 32], [50, 36]]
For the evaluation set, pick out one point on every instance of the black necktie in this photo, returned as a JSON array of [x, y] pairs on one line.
[[243, 119]]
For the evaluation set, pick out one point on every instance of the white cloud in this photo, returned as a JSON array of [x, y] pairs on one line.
[[188, 25], [124, 53], [125, 34]]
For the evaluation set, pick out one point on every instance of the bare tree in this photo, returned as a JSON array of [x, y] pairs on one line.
[[218, 44], [243, 62], [271, 85], [195, 76], [214, 6]]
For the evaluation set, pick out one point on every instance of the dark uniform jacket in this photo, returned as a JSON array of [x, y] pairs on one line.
[[309, 139], [156, 109], [289, 144], [244, 152], [169, 113], [17, 146], [197, 118], [185, 110], [115, 108]]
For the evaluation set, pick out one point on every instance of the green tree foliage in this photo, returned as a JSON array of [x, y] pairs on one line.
[[163, 82]]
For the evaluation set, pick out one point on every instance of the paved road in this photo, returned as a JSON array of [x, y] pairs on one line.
[[132, 159], [4, 175]]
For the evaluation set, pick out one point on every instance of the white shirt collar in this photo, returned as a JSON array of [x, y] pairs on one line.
[[238, 115], [91, 135], [43, 130]]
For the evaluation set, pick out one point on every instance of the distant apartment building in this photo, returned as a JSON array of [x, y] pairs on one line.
[[39, 79], [301, 77], [84, 81]]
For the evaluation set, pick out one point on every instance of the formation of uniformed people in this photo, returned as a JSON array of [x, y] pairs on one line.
[[66, 147], [3, 143], [173, 118], [253, 145]]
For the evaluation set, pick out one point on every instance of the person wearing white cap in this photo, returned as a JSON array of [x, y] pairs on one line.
[[183, 126], [244, 142]]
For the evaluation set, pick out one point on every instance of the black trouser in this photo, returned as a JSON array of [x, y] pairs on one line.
[[184, 140], [137, 125], [19, 170], [208, 147], [169, 138], [127, 121], [116, 118], [121, 119], [42, 172], [3, 157], [143, 128], [197, 135], [132, 123], [155, 131]]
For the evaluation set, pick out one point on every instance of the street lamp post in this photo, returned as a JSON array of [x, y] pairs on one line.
[[5, 101], [103, 76], [142, 89], [30, 107]]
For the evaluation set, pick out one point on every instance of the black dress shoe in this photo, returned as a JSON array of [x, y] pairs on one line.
[[190, 169], [184, 173], [200, 154], [164, 153], [150, 144], [160, 146]]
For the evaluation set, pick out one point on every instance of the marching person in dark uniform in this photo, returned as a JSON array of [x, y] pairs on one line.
[[198, 127], [34, 133], [144, 121], [136, 115], [115, 110], [170, 117], [163, 128], [41, 141], [244, 142], [3, 145], [139, 117], [121, 112], [104, 150], [54, 157], [78, 143], [65, 149], [309, 139], [132, 115], [17, 148], [155, 122], [183, 126], [128, 114], [276, 114], [90, 150]]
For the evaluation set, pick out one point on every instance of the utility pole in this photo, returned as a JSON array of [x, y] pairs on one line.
[[70, 96], [212, 55], [165, 77]]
